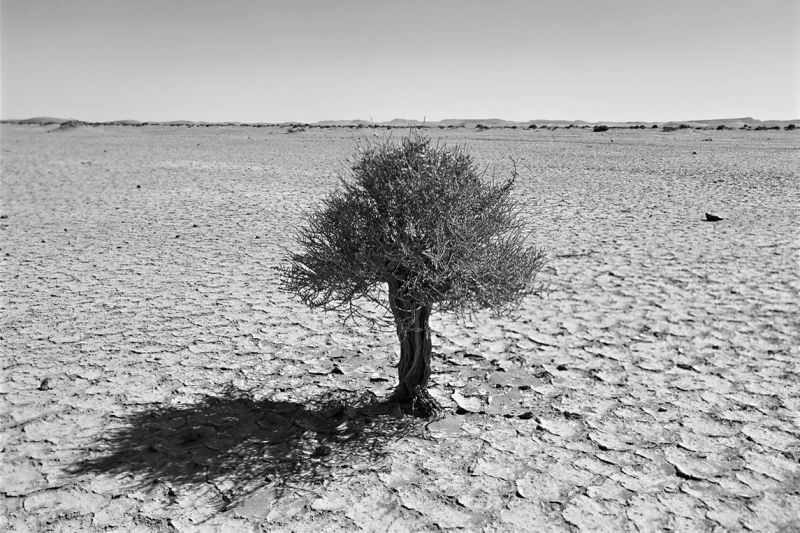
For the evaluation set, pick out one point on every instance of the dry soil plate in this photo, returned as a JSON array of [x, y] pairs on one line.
[[155, 379]]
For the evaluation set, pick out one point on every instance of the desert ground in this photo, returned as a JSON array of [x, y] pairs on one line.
[[155, 378]]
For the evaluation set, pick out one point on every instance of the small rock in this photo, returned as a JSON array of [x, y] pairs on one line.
[[467, 404], [712, 218], [46, 384]]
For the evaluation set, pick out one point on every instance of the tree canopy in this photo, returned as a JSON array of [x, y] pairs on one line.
[[420, 216]]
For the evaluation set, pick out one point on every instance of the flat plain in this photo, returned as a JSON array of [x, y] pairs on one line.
[[155, 379]]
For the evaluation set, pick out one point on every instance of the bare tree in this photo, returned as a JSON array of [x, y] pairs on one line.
[[422, 221]]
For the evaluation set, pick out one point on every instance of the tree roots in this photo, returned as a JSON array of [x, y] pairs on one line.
[[420, 404]]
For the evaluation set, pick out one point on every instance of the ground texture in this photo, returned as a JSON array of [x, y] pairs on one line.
[[154, 379]]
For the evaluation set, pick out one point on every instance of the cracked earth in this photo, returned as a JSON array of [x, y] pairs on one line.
[[154, 379]]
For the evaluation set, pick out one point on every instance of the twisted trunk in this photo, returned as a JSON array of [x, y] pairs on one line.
[[414, 369]]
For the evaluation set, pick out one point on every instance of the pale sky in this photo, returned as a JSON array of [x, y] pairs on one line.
[[311, 60]]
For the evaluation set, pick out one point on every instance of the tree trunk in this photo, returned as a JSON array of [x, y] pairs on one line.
[[414, 369]]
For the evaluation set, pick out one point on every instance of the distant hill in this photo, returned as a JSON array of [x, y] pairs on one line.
[[42, 121], [726, 121], [125, 123], [469, 123], [403, 123]]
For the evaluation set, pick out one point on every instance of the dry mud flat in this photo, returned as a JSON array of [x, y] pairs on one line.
[[154, 379]]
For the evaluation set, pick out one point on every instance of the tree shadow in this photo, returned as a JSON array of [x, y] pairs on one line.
[[239, 444]]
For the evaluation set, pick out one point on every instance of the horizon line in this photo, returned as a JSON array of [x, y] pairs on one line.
[[385, 122]]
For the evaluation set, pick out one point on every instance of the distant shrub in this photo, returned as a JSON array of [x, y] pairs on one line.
[[534, 126], [71, 124], [295, 129], [481, 127], [683, 127], [600, 127], [721, 127], [668, 128], [790, 127], [654, 126]]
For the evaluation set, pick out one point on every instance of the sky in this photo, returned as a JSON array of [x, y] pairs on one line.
[[312, 60]]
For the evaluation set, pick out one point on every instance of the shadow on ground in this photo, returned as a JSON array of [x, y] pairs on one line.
[[240, 444]]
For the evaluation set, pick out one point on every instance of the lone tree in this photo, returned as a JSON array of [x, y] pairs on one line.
[[421, 221]]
